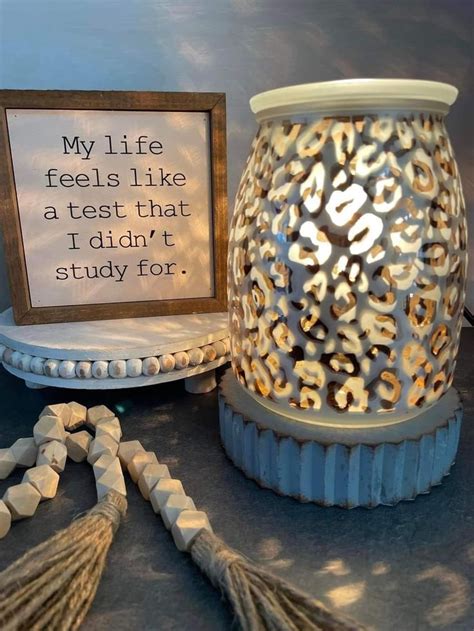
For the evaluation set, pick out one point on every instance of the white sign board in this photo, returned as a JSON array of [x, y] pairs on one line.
[[112, 204]]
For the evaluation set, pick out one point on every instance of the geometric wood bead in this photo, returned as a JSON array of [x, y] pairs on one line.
[[139, 462], [174, 506], [162, 490], [109, 426], [127, 450], [111, 479], [61, 410], [106, 463], [150, 475], [54, 454], [5, 519], [24, 451], [78, 415], [78, 445], [44, 479], [97, 413], [104, 444], [49, 428], [22, 500], [187, 527], [7, 463]]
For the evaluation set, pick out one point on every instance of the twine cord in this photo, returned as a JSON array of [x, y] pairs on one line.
[[53, 585], [261, 600]]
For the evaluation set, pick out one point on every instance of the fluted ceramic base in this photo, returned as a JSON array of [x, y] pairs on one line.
[[337, 467]]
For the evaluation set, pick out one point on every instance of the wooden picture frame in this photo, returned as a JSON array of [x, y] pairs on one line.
[[213, 104]]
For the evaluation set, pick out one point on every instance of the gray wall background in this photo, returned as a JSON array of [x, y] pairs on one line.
[[240, 47]]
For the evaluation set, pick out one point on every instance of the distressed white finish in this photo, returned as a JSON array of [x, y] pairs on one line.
[[336, 467], [118, 369], [113, 339], [51, 368], [196, 356], [200, 384], [83, 370], [134, 367], [186, 353], [167, 362], [150, 366], [67, 369], [37, 365], [100, 369], [25, 363], [181, 360]]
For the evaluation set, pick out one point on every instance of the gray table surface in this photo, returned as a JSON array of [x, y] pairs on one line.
[[405, 568]]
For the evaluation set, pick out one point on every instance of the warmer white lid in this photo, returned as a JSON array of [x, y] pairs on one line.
[[355, 95]]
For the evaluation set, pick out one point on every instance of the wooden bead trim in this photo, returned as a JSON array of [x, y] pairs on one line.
[[115, 368]]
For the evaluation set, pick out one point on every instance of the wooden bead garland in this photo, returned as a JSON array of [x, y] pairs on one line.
[[52, 440], [260, 600]]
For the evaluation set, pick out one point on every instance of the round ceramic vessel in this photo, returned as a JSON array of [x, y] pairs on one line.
[[347, 256]]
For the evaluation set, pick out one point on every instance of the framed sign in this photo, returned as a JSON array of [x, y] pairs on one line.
[[113, 203]]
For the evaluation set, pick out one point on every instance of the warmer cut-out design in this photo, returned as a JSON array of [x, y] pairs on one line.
[[347, 266]]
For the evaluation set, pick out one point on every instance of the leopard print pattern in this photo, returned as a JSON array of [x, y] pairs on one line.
[[347, 264]]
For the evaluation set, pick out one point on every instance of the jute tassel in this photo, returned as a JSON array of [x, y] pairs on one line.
[[53, 585], [262, 601]]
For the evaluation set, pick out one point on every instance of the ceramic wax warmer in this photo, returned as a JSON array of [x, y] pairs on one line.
[[347, 267]]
